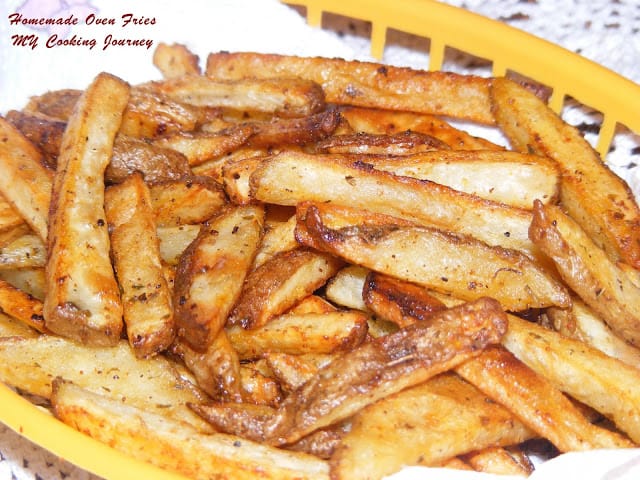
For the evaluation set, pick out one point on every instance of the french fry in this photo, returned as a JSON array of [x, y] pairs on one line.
[[12, 224], [258, 388], [463, 266], [501, 461], [43, 131], [600, 201], [211, 272], [213, 168], [176, 446], [346, 286], [582, 323], [278, 237], [189, 201], [154, 384], [381, 121], [286, 97], [56, 104], [21, 306], [403, 143], [291, 177], [366, 84], [83, 300], [235, 178], [175, 60], [25, 183], [146, 298], [588, 375], [175, 240], [588, 270], [199, 147], [25, 251], [301, 333], [426, 424], [10, 327], [507, 177], [29, 280], [279, 283], [536, 401]]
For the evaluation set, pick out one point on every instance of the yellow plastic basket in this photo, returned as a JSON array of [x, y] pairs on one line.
[[509, 49], [617, 98]]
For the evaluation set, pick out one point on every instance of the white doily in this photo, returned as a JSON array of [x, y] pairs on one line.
[[605, 31]]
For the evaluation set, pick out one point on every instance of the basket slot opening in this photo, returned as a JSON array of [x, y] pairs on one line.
[[459, 61]]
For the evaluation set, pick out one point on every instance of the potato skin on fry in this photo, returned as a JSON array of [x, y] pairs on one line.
[[83, 299]]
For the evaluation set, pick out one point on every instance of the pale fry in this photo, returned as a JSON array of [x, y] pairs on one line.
[[211, 272], [501, 461], [25, 183], [83, 300], [600, 201], [291, 177], [175, 240], [175, 60], [146, 298], [587, 269], [367, 84], [25, 251], [462, 266]]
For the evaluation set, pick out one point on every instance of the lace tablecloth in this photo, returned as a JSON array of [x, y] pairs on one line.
[[605, 31]]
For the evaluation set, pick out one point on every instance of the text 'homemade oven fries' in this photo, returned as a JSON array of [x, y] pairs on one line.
[[297, 268]]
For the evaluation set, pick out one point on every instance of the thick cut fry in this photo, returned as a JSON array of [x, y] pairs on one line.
[[425, 425], [135, 249], [536, 401], [29, 280], [378, 369], [582, 323], [25, 251], [25, 183], [175, 445], [213, 168], [175, 60], [211, 272], [345, 287], [403, 143], [604, 383], [217, 369], [43, 131], [235, 178], [277, 238], [286, 97], [381, 121], [188, 201], [587, 269], [55, 104], [155, 384], [157, 164], [198, 147], [279, 283], [515, 179], [398, 301], [461, 266], [21, 306], [291, 177], [600, 201], [175, 240], [83, 300], [367, 84], [301, 333], [10, 327]]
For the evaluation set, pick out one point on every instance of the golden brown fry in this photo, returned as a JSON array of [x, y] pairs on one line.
[[426, 424], [29, 280], [587, 269], [536, 401], [235, 178], [258, 388], [286, 97], [398, 301], [83, 300], [381, 121], [296, 333], [582, 323], [278, 237], [175, 60], [135, 249], [211, 272], [175, 240], [515, 179], [367, 84], [213, 168], [176, 446], [279, 283], [461, 266], [10, 327], [43, 131], [604, 383], [501, 461], [600, 201], [291, 177], [191, 200], [12, 224], [21, 306], [155, 384], [199, 147], [157, 164], [25, 183], [25, 251], [403, 143], [56, 104]]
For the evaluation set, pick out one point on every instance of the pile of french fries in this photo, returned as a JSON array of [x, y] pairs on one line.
[[294, 267]]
